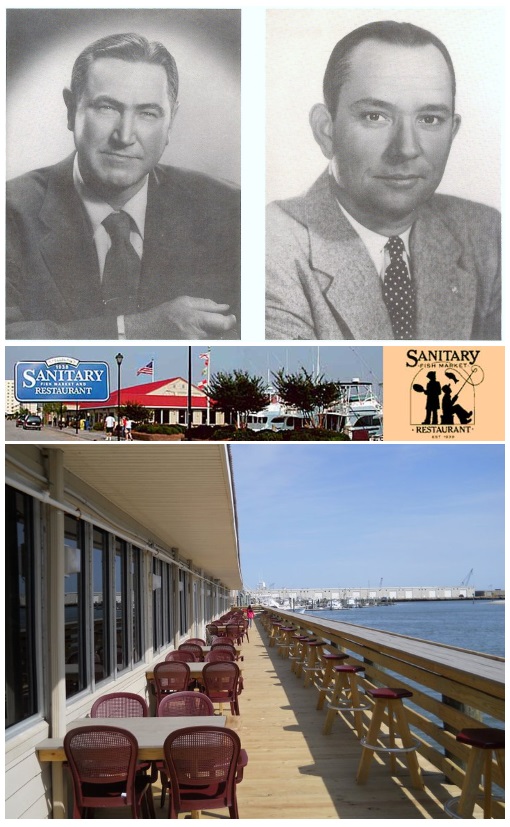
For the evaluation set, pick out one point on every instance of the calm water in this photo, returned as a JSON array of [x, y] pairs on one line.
[[479, 626]]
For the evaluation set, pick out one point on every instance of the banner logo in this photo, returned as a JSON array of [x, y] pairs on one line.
[[61, 379]]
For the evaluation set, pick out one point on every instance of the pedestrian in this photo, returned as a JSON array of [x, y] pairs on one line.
[[110, 425], [250, 614], [128, 427]]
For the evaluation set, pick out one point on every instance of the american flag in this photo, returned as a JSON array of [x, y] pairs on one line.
[[202, 384], [148, 368]]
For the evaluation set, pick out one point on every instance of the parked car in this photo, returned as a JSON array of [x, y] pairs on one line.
[[32, 423]]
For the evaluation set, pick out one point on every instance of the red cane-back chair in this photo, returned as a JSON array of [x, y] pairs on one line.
[[226, 646], [203, 766], [183, 656], [103, 764], [221, 683], [194, 648], [120, 705], [179, 704], [195, 640], [171, 676], [126, 705], [185, 703], [220, 655]]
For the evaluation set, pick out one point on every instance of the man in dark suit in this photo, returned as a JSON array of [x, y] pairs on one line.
[[370, 251], [109, 244]]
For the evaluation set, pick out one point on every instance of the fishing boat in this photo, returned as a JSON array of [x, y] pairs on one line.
[[357, 413]]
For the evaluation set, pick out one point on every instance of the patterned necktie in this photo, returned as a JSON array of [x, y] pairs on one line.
[[122, 267], [398, 290]]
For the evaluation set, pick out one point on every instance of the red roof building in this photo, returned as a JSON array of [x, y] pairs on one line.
[[168, 399]]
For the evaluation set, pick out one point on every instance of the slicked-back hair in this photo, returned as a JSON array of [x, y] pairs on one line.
[[385, 31], [133, 48]]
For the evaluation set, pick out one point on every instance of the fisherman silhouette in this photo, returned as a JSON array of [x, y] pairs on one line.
[[450, 409], [432, 392]]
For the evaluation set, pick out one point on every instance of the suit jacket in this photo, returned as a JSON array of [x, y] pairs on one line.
[[191, 247], [322, 284]]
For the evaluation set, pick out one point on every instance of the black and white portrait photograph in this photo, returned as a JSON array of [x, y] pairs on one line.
[[123, 168], [383, 174]]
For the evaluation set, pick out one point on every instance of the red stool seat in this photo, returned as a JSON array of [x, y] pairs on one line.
[[487, 738], [389, 693], [349, 667], [485, 743]]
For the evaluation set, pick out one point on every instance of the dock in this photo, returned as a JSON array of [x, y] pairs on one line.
[[295, 771]]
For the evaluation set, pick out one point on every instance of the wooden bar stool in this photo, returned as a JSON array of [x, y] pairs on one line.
[[390, 700], [275, 628], [329, 660], [304, 655], [283, 640], [295, 653], [312, 663], [484, 742], [345, 696]]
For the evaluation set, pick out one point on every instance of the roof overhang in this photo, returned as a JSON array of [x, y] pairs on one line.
[[183, 495]]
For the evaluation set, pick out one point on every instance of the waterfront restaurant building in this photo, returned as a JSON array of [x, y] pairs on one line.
[[167, 399], [112, 558]]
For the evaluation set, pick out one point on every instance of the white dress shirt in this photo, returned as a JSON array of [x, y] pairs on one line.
[[98, 210], [374, 242]]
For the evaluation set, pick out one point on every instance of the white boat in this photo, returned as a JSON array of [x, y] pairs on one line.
[[358, 414], [359, 410]]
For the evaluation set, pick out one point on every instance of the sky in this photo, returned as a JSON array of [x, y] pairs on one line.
[[348, 514], [335, 362]]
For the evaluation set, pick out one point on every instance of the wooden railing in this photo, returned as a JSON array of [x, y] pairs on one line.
[[452, 688]]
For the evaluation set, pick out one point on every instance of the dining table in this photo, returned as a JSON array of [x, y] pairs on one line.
[[150, 733]]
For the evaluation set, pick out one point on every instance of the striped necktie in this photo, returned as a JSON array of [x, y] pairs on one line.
[[398, 291], [121, 274]]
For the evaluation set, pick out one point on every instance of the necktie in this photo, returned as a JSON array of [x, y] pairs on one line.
[[122, 266], [398, 291]]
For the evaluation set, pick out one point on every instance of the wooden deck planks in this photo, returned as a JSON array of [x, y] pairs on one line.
[[295, 772]]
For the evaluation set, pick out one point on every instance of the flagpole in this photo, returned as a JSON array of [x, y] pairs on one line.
[[189, 393], [208, 379]]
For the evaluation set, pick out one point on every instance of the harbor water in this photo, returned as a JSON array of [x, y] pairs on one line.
[[477, 625]]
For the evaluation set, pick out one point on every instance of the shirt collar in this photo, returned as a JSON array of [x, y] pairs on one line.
[[98, 210], [373, 241]]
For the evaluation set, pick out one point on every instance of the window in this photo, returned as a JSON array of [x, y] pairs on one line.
[[74, 608], [136, 603], [121, 622], [183, 602], [21, 691], [101, 605], [168, 603], [157, 620]]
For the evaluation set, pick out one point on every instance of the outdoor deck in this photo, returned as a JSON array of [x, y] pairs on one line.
[[296, 772]]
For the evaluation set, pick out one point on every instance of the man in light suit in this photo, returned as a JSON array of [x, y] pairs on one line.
[[370, 251], [108, 244]]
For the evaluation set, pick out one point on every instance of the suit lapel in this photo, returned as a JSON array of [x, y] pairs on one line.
[[445, 292], [67, 247], [350, 283]]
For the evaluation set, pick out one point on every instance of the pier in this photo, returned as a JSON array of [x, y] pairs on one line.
[[339, 597], [296, 772]]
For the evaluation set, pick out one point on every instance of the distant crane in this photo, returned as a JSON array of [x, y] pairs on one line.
[[467, 578]]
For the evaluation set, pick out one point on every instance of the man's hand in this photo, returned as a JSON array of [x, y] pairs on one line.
[[182, 318]]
